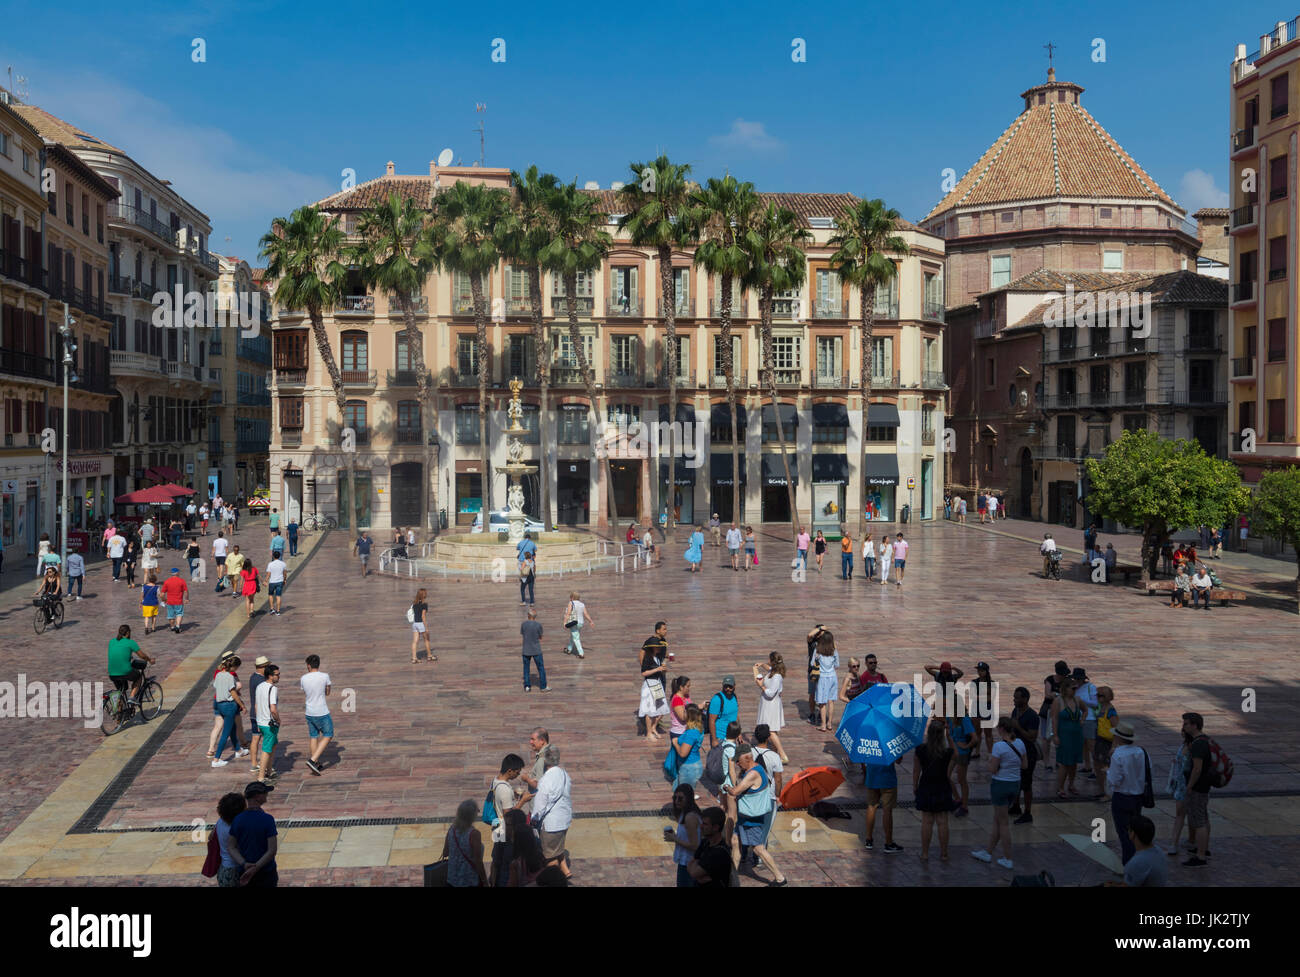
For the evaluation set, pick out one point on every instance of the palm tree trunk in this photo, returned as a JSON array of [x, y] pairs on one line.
[[589, 381], [485, 441], [544, 370], [1148, 554], [415, 349], [670, 361], [729, 371], [765, 312], [326, 353], [866, 326]]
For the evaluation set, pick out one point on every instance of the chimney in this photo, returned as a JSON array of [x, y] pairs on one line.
[[433, 167], [389, 169]]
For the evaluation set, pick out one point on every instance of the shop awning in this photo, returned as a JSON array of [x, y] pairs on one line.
[[789, 419], [882, 415], [881, 469], [830, 415], [685, 413], [830, 469], [774, 474], [682, 474], [163, 473], [720, 417], [720, 469]]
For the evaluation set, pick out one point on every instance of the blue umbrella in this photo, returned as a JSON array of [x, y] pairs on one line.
[[883, 723]]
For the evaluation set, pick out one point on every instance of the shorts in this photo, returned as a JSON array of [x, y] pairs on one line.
[[752, 832], [221, 562], [122, 681], [1101, 752], [552, 843], [1198, 809], [365, 558], [749, 551], [418, 627], [1004, 792], [149, 611], [963, 759], [982, 510], [733, 550], [812, 686], [270, 736], [275, 589], [900, 564], [886, 797], [1090, 729], [320, 726], [174, 611]]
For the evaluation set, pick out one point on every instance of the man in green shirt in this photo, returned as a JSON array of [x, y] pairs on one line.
[[126, 662], [275, 520]]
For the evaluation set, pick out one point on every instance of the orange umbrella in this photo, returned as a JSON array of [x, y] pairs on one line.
[[814, 784]]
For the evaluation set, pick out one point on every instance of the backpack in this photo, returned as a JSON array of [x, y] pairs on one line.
[[490, 807], [1220, 766], [410, 614], [714, 768]]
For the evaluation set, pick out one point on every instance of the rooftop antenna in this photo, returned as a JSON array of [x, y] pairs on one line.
[[481, 108], [17, 88]]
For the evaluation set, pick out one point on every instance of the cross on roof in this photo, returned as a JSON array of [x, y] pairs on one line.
[[1050, 48]]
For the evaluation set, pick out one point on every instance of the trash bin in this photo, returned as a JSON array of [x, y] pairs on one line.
[[906, 513]]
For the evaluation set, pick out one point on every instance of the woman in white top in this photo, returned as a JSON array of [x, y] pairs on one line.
[[770, 679], [149, 558], [869, 556], [42, 551], [1008, 759], [575, 616], [886, 558]]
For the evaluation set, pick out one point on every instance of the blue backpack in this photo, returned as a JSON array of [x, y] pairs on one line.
[[490, 816]]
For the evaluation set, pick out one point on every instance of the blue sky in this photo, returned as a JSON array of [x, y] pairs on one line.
[[291, 93]]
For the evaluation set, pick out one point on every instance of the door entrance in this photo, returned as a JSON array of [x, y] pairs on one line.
[[406, 493], [1026, 483], [573, 492], [627, 487]]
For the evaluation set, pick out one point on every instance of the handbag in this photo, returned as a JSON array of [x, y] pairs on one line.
[[671, 763], [435, 874], [1148, 793], [213, 862], [656, 688]]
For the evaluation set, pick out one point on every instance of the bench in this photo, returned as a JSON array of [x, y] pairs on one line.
[[1221, 594]]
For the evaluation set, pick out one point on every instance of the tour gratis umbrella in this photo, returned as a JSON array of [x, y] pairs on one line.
[[883, 723]]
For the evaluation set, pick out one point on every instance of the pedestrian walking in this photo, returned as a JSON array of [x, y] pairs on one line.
[[869, 556], [268, 719], [734, 540], [531, 632], [1203, 753], [1067, 726], [273, 522], [1179, 768], [275, 575], [994, 504], [228, 808], [932, 765], [149, 602], [418, 616], [220, 549], [77, 575], [819, 549], [277, 545], [527, 579], [576, 616], [751, 547], [654, 700], [175, 592], [195, 560], [255, 731], [361, 548], [227, 704], [814, 640], [251, 583], [463, 849], [901, 547], [694, 554], [204, 513], [685, 757], [648, 546], [234, 569], [503, 800], [753, 794], [117, 553], [770, 678], [553, 810], [315, 686], [253, 842], [1025, 723], [686, 838], [767, 753], [1129, 768], [715, 530], [1008, 758], [801, 548], [886, 558], [293, 535], [149, 557], [828, 660], [846, 556], [229, 662]]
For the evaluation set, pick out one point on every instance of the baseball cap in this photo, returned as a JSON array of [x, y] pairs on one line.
[[983, 665], [175, 570], [729, 680], [257, 787]]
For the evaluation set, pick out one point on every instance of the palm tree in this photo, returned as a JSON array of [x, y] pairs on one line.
[[724, 210], [302, 255], [777, 263], [865, 238], [659, 215], [465, 218], [522, 236], [578, 244], [396, 254]]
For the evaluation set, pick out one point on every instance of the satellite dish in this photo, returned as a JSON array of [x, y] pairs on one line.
[[444, 157], [591, 185], [616, 185]]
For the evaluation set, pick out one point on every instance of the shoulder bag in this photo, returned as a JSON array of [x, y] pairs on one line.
[[1148, 793]]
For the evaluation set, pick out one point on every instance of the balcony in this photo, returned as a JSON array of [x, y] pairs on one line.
[[618, 308], [408, 435], [283, 312], [403, 378], [585, 305], [683, 379], [738, 307], [616, 378], [519, 307], [360, 305], [684, 307], [1243, 368], [456, 378], [1058, 452], [360, 378], [1061, 402], [933, 380], [463, 305], [290, 437], [787, 308], [885, 380], [210, 262], [932, 310], [97, 383], [213, 375], [1243, 139], [26, 365], [830, 310], [831, 381], [788, 378], [122, 362], [1200, 397], [718, 381], [566, 376], [886, 310], [1203, 344], [20, 269], [249, 398], [927, 437], [184, 371], [1243, 292], [126, 214], [419, 306], [1243, 217], [1134, 396]]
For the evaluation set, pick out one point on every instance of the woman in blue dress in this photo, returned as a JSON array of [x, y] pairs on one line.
[[695, 552], [828, 659]]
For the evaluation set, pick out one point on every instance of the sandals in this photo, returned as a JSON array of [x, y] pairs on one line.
[[1061, 794]]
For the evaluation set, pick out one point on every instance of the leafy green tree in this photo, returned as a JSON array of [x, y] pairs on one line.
[[1277, 511], [1162, 486]]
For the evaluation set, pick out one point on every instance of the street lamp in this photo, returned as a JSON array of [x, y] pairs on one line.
[[69, 347]]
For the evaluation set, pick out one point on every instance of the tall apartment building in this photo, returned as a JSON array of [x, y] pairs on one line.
[[1265, 317], [818, 368], [53, 267], [239, 418], [157, 243]]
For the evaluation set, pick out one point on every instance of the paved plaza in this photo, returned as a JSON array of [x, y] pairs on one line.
[[79, 808]]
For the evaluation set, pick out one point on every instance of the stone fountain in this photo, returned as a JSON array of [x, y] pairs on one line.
[[515, 469]]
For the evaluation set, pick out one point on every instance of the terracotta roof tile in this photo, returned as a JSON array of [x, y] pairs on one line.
[[56, 130], [1171, 288]]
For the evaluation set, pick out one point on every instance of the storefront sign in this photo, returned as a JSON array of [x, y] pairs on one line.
[[83, 466], [78, 541]]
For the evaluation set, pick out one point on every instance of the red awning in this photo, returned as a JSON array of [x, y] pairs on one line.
[[154, 494], [162, 473], [176, 491]]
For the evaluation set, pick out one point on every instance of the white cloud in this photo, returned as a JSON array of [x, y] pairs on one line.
[[1197, 190], [752, 136]]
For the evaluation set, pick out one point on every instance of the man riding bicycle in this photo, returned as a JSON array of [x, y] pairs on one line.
[[50, 592], [1047, 549], [126, 662]]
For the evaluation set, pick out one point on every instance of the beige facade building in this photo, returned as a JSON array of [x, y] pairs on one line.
[[818, 367], [1264, 331], [239, 415]]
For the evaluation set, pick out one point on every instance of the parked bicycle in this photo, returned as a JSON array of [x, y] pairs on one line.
[[318, 520], [120, 709]]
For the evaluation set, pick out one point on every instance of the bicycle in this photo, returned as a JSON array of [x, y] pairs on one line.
[[318, 520], [48, 612], [1054, 565], [120, 709]]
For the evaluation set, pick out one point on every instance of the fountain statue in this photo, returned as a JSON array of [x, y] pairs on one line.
[[515, 468]]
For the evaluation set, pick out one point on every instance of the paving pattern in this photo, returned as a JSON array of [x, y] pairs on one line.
[[418, 739]]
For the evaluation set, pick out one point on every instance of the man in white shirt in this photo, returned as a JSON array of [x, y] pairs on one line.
[[116, 550], [553, 805], [267, 713], [1127, 776], [275, 571], [315, 686], [220, 546], [190, 510], [204, 513], [993, 507], [504, 799], [886, 558], [1201, 584], [648, 546], [1047, 549], [733, 545]]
